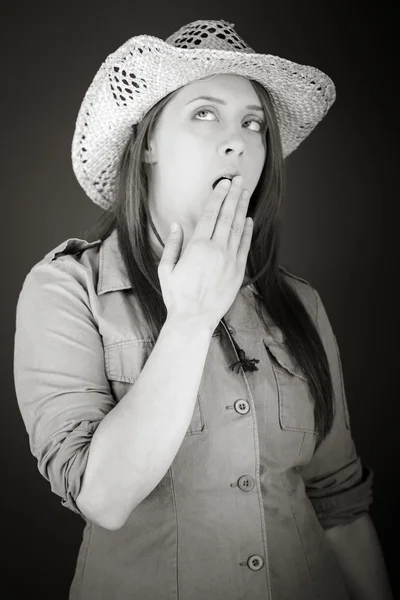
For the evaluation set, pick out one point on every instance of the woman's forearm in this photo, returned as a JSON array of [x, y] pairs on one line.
[[357, 548], [136, 442]]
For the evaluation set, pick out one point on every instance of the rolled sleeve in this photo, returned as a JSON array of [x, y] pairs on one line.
[[338, 485], [59, 373]]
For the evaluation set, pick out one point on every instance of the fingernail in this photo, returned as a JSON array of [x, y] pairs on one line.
[[225, 183]]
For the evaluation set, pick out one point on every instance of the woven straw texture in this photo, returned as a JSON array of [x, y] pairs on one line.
[[145, 69]]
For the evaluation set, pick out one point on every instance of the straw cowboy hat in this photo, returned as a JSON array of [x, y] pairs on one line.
[[145, 69]]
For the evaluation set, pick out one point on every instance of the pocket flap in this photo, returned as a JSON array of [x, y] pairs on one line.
[[125, 360], [277, 347]]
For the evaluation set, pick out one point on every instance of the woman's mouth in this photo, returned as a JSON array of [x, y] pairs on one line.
[[216, 182]]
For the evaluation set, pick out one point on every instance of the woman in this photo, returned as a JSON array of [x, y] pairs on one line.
[[182, 392]]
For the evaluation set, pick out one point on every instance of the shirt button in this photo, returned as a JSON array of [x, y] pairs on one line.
[[231, 330], [255, 562], [242, 407], [246, 483]]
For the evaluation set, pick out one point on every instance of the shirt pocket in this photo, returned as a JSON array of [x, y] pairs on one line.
[[124, 362], [296, 406]]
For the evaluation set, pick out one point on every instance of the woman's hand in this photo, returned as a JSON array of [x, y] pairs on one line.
[[205, 280]]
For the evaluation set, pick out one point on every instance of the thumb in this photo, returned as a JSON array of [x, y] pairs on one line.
[[172, 249]]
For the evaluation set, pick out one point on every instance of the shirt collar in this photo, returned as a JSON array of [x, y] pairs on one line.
[[112, 272]]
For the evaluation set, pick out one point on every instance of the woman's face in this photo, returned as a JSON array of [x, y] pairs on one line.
[[195, 141]]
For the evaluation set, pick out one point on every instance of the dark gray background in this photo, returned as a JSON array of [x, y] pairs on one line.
[[339, 221]]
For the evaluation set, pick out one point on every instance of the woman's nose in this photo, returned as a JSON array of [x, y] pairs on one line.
[[233, 143]]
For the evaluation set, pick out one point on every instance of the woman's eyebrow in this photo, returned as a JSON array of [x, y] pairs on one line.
[[219, 101]]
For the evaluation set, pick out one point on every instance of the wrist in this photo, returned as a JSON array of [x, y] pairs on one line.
[[189, 324]]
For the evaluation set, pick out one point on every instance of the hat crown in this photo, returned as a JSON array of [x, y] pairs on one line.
[[212, 35]]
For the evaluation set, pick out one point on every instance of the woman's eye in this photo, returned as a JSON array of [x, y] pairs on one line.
[[259, 124], [204, 110]]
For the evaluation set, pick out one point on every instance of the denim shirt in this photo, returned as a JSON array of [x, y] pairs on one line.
[[241, 512]]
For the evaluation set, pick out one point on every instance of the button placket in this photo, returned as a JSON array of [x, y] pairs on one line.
[[245, 483], [255, 562]]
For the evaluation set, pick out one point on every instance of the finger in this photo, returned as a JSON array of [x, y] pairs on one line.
[[239, 221], [206, 224], [244, 246], [172, 249], [224, 222]]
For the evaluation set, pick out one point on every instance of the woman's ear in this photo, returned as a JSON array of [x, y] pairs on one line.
[[149, 155]]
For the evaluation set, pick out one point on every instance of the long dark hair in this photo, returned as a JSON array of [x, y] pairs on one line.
[[130, 215]]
